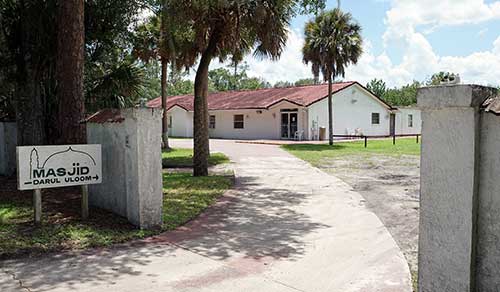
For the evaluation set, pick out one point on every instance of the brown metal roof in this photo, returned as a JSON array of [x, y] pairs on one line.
[[492, 105], [106, 116], [258, 99]]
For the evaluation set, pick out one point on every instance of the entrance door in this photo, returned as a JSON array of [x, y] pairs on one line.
[[392, 125], [293, 124], [289, 125]]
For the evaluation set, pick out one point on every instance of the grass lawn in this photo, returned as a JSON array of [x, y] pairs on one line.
[[317, 153], [62, 227], [185, 197], [183, 157]]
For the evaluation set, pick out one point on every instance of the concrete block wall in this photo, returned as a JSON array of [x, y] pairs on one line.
[[8, 142], [459, 245], [488, 239], [132, 170]]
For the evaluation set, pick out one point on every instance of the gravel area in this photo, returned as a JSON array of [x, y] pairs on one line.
[[391, 188]]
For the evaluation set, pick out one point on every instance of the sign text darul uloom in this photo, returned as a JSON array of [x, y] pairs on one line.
[[42, 167]]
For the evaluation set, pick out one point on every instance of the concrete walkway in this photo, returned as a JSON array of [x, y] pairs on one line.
[[287, 227]]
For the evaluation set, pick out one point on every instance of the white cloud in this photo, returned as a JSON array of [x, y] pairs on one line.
[[407, 24], [408, 21], [406, 15], [482, 32], [289, 67]]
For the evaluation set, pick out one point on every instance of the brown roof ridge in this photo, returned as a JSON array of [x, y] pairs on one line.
[[259, 89], [303, 95], [285, 87], [107, 115]]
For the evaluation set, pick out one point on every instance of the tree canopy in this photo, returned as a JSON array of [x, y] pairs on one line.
[[405, 95], [332, 42], [222, 79], [230, 29], [28, 49]]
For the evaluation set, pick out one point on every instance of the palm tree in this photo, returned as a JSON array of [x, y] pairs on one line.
[[162, 39], [69, 68], [229, 29], [332, 42], [226, 30]]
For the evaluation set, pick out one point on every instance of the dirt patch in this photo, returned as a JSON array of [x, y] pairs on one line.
[[391, 188]]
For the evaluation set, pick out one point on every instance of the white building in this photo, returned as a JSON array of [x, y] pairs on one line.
[[293, 112]]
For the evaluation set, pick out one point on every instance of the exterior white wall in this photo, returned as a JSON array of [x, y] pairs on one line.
[[317, 118], [402, 127], [258, 124], [352, 109], [182, 122]]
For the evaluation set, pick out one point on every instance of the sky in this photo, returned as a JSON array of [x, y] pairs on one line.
[[406, 40]]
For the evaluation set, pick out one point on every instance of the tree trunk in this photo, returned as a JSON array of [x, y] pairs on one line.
[[330, 111], [164, 65], [29, 104], [164, 135], [200, 119], [69, 71], [30, 110]]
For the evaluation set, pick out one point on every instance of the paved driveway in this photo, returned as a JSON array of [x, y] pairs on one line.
[[286, 227]]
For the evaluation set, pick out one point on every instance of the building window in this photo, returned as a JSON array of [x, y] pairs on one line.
[[375, 119], [239, 122], [211, 122], [410, 121], [170, 122]]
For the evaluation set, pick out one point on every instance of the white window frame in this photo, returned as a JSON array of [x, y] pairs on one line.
[[378, 118], [212, 122], [242, 122], [410, 120]]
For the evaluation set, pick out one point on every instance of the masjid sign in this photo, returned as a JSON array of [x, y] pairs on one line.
[[41, 167]]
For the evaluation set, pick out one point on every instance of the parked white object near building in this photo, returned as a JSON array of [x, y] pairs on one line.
[[288, 113]]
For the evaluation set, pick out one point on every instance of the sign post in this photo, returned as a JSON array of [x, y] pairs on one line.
[[37, 205], [85, 202], [41, 167]]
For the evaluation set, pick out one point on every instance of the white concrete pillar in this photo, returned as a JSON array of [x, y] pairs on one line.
[[131, 161], [449, 186], [488, 247]]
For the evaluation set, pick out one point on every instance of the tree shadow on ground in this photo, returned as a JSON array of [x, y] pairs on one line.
[[251, 222], [95, 267], [187, 161]]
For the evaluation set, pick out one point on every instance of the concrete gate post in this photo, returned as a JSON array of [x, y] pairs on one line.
[[449, 186], [131, 164]]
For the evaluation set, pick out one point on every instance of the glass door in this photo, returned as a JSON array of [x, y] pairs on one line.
[[293, 125], [285, 126], [289, 125]]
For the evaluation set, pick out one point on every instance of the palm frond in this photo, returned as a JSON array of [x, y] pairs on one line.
[[332, 42], [116, 88]]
